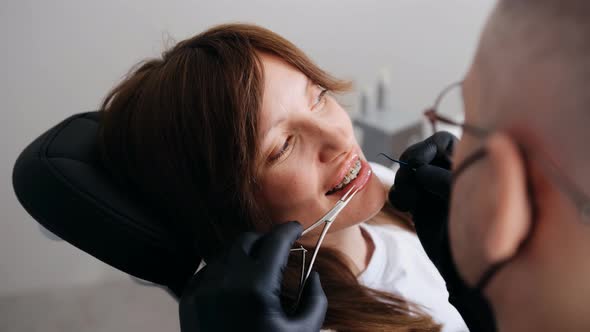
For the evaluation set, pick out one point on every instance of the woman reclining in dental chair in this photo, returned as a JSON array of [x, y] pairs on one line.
[[235, 130]]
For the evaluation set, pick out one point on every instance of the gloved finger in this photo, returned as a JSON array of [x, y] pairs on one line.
[[445, 143], [244, 245], [419, 154], [434, 180], [272, 251], [436, 149], [313, 304], [403, 194]]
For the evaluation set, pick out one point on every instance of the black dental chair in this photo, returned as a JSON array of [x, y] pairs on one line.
[[61, 183]]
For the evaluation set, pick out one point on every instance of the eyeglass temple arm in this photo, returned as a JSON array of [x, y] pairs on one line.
[[433, 117]]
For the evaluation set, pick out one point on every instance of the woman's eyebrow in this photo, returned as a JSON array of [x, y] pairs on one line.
[[274, 124], [306, 93]]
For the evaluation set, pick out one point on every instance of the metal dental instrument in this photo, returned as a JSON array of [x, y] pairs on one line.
[[333, 213], [327, 219], [303, 253], [402, 163]]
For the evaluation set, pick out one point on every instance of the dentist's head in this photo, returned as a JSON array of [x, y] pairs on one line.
[[519, 212]]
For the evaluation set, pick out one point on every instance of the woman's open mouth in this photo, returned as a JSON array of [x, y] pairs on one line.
[[358, 175]]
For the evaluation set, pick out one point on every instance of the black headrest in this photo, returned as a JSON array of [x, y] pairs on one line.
[[60, 181]]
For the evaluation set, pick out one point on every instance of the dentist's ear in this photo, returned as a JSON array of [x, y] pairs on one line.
[[502, 219], [511, 221]]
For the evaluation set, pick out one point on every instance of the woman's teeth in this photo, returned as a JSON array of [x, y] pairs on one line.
[[351, 175]]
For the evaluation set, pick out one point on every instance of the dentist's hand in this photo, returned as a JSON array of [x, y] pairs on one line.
[[423, 189], [240, 290]]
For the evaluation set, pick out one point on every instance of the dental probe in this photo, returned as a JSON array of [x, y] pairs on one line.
[[402, 163]]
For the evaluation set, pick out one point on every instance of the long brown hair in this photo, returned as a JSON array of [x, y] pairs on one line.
[[182, 130]]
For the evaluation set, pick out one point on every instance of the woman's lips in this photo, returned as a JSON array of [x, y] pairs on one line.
[[344, 169], [360, 181]]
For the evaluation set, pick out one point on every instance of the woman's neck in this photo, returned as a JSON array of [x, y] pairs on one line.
[[353, 242]]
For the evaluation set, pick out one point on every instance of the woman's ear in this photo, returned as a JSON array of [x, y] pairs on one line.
[[510, 220]]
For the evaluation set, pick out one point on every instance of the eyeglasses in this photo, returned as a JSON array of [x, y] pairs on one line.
[[448, 110]]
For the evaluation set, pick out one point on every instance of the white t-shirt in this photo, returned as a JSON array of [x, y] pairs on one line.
[[400, 266]]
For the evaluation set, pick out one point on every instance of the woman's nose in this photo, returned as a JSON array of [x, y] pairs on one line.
[[334, 138]]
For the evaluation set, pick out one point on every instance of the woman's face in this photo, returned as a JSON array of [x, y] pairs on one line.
[[307, 147]]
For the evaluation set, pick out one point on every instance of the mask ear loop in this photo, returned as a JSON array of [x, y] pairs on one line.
[[478, 155], [490, 272]]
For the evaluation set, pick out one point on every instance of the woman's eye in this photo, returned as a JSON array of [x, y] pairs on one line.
[[321, 97], [282, 151]]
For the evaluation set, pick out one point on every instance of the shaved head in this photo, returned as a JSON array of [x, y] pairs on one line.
[[552, 32], [535, 58], [529, 85]]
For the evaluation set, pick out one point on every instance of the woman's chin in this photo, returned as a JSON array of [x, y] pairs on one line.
[[364, 206]]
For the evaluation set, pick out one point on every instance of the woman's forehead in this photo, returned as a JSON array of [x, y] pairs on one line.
[[282, 80], [285, 89]]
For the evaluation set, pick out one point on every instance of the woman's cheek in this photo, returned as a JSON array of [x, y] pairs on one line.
[[281, 192]]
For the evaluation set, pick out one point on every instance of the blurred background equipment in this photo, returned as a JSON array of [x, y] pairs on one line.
[[378, 126]]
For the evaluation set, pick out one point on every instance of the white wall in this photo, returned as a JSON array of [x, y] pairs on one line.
[[60, 57]]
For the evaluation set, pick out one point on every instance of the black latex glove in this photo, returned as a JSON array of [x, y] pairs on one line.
[[240, 290], [423, 189]]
